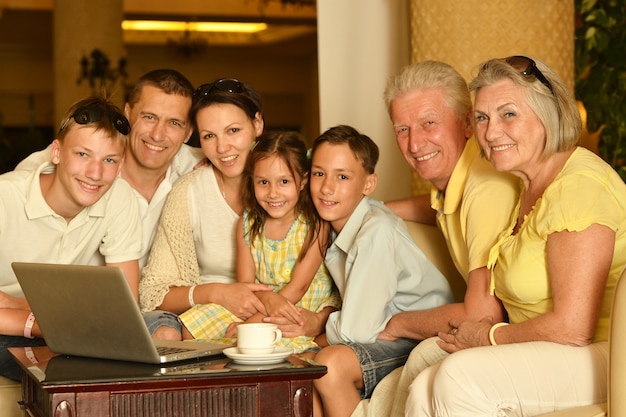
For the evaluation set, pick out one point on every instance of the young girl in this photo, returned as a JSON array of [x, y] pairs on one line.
[[280, 241]]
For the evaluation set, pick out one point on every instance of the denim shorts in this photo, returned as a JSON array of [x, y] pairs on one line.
[[157, 318], [380, 358]]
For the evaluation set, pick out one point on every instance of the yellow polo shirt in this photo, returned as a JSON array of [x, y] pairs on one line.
[[476, 206]]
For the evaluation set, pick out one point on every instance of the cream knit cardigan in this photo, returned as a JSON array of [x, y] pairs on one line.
[[173, 261]]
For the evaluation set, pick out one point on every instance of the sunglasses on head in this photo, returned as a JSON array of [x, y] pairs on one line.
[[223, 85], [527, 66], [94, 113]]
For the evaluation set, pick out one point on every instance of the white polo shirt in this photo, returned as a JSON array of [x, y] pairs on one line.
[[184, 161], [30, 231]]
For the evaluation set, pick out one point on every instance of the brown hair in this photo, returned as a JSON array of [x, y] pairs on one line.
[[290, 148], [113, 122], [248, 100], [363, 148], [167, 80]]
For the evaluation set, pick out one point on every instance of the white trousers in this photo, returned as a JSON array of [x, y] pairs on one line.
[[521, 379]]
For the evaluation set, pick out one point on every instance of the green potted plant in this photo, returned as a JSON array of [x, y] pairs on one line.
[[600, 65]]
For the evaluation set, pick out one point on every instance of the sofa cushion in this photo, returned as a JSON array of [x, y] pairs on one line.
[[430, 240]]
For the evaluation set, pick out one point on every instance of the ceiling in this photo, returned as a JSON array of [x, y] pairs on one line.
[[285, 21]]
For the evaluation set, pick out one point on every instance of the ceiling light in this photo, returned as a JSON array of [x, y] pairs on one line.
[[162, 25]]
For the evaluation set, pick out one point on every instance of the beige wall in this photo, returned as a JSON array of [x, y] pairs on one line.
[[361, 44]]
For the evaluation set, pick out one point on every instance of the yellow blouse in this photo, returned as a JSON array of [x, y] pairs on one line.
[[587, 191]]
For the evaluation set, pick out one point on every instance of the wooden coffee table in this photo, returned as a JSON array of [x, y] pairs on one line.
[[65, 386]]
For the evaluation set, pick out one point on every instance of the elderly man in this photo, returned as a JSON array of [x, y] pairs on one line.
[[430, 107]]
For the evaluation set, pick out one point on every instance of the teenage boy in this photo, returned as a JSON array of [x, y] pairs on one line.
[[72, 209], [376, 266]]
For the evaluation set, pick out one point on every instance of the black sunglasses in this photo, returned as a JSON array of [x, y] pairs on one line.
[[94, 113], [527, 66], [224, 85]]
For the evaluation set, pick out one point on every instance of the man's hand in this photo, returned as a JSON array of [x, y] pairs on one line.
[[312, 324], [387, 333]]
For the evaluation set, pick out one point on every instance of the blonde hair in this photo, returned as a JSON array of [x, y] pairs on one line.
[[556, 108]]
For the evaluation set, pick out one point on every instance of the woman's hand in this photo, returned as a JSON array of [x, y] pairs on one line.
[[465, 335], [240, 299]]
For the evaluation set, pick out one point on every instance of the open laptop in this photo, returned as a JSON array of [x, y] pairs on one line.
[[90, 311]]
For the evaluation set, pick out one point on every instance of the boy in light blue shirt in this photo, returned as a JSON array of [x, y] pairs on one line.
[[376, 266]]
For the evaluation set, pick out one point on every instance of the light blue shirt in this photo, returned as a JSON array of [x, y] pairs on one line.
[[379, 271]]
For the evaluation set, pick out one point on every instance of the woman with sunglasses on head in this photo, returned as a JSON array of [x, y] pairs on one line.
[[193, 258], [554, 268]]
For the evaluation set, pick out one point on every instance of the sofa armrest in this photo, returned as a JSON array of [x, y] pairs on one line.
[[10, 394], [430, 240], [617, 350]]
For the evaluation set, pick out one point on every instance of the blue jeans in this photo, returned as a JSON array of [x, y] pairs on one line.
[[380, 358], [157, 318], [8, 366]]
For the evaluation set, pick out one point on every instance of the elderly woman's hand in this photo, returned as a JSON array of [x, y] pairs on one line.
[[465, 335]]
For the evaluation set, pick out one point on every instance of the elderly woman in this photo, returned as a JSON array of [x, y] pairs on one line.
[[554, 268]]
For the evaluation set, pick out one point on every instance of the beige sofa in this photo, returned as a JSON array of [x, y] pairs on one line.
[[10, 394], [430, 240]]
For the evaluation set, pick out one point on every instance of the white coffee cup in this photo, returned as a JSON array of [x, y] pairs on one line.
[[257, 338]]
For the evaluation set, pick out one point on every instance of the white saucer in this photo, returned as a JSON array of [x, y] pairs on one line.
[[279, 354]]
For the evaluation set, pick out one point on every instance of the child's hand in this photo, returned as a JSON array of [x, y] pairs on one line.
[[278, 306], [231, 330]]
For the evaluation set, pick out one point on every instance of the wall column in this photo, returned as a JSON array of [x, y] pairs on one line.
[[79, 27], [361, 43]]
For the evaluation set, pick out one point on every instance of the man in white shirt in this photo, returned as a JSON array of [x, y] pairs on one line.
[[158, 111]]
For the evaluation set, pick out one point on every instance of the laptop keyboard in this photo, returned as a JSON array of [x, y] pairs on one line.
[[164, 350]]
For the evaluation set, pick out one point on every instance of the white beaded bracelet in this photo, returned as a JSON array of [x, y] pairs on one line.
[[492, 340], [190, 296]]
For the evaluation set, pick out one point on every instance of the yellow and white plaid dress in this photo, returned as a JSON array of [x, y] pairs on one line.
[[274, 261]]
